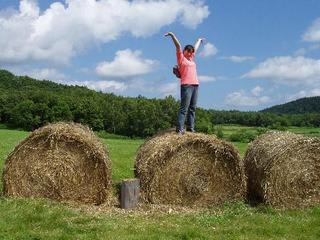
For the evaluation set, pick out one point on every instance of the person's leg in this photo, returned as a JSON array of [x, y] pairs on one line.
[[192, 108], [188, 120], [186, 92]]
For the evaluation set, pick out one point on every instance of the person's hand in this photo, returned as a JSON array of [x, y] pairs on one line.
[[203, 40], [169, 34]]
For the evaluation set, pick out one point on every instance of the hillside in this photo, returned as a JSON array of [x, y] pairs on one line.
[[29, 103], [302, 105]]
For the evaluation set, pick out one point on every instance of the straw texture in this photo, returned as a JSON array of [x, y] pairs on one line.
[[61, 161], [192, 169], [283, 170]]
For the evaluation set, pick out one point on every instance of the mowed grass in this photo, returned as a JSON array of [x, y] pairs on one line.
[[44, 219], [122, 153], [39, 219], [230, 129]]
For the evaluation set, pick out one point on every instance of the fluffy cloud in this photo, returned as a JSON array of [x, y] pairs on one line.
[[257, 91], [47, 74], [104, 86], [167, 89], [157, 88], [304, 51], [304, 93], [127, 63], [67, 29], [204, 78], [313, 33], [314, 47], [292, 71], [208, 50], [51, 74], [55, 75], [238, 59], [144, 87], [301, 52], [243, 99]]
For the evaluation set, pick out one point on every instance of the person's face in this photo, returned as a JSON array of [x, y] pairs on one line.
[[188, 53]]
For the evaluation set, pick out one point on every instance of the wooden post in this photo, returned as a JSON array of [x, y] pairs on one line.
[[129, 195]]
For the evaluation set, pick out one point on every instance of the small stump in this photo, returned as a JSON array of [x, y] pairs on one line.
[[129, 193]]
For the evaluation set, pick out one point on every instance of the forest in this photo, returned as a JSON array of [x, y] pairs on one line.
[[27, 104]]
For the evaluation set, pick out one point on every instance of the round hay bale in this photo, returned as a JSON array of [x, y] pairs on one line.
[[192, 169], [283, 170], [61, 161]]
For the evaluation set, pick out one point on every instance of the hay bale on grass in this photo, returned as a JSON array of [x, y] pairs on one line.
[[193, 169], [283, 170], [62, 161]]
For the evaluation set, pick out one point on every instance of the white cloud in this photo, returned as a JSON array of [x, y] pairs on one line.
[[257, 91], [156, 88], [243, 99], [301, 52], [47, 74], [127, 63], [239, 59], [208, 50], [314, 92], [168, 89], [50, 74], [144, 87], [65, 30], [313, 32], [204, 78], [314, 47], [292, 71], [55, 75], [304, 51], [104, 86], [304, 93]]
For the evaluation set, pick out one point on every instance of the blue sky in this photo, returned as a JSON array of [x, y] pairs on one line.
[[257, 53]]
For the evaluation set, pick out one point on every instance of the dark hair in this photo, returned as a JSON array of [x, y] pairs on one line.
[[189, 48]]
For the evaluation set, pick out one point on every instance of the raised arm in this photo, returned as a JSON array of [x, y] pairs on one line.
[[197, 44], [175, 40]]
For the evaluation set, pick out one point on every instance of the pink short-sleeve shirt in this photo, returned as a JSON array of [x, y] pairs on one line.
[[187, 68]]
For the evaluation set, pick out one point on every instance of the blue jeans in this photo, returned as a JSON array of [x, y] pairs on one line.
[[189, 97]]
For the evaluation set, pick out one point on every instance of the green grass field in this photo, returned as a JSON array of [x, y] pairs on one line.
[[44, 219], [308, 131]]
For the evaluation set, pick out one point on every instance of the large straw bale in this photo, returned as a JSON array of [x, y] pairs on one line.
[[283, 170], [62, 161], [192, 169]]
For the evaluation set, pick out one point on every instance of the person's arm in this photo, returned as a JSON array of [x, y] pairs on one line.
[[197, 44], [175, 40]]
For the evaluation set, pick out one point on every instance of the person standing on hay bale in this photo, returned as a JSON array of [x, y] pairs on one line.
[[187, 72]]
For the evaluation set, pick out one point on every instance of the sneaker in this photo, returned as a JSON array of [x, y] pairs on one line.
[[180, 132], [191, 130]]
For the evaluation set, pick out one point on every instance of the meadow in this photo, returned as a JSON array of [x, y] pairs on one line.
[[45, 219]]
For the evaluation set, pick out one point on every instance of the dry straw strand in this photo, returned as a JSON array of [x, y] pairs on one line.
[[61, 161], [283, 170], [192, 169]]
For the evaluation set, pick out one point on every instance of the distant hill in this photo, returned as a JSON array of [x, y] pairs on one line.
[[302, 105], [28, 103]]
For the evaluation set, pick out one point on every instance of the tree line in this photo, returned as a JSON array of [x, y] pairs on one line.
[[27, 103]]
